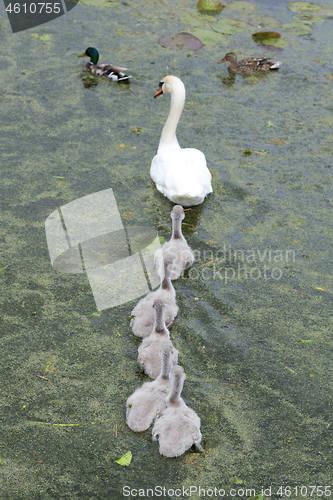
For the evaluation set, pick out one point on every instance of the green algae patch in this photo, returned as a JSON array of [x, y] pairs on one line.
[[296, 28], [43, 38], [228, 26]]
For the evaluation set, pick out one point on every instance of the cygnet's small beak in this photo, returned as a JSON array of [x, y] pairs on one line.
[[82, 55], [222, 61]]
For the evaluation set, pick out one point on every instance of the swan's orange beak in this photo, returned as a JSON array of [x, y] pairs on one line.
[[223, 60], [160, 91]]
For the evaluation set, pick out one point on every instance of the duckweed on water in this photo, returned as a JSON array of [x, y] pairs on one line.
[[263, 396]]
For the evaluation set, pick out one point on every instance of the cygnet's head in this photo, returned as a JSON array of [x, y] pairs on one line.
[[158, 305], [168, 264], [177, 380], [178, 212], [168, 84], [178, 376], [166, 355], [166, 351]]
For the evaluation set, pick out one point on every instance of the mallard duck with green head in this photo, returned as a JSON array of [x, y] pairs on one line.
[[249, 65], [107, 71]]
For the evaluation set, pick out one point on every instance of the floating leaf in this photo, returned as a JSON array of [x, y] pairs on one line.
[[296, 28], [262, 35], [209, 37], [264, 22], [275, 42], [229, 26], [307, 341], [210, 5], [309, 19], [179, 41], [125, 460], [325, 12], [247, 152], [193, 20], [270, 124], [242, 6], [303, 7]]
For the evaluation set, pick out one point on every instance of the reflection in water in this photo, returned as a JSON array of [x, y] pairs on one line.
[[88, 234]]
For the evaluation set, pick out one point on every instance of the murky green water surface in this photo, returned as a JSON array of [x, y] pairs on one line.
[[264, 395]]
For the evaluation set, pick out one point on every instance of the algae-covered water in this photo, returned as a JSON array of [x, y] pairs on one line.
[[254, 329]]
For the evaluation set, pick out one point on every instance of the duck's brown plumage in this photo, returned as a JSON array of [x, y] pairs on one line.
[[252, 64]]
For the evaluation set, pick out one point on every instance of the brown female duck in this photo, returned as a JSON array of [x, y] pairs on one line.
[[107, 71], [249, 65]]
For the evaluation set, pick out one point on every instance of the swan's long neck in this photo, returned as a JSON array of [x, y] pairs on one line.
[[168, 137], [176, 388]]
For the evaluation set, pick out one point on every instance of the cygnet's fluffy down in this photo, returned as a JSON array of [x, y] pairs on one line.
[[177, 248], [149, 400], [178, 426], [143, 321], [148, 352]]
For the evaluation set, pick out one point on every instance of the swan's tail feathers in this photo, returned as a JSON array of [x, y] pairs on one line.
[[276, 65]]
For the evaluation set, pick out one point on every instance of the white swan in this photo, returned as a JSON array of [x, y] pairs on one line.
[[177, 248], [149, 400], [180, 174], [148, 352], [178, 426], [143, 322]]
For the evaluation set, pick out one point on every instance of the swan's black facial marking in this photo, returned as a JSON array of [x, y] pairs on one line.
[[160, 89]]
